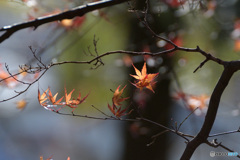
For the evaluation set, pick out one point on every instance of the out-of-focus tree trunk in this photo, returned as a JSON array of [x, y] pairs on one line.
[[154, 106]]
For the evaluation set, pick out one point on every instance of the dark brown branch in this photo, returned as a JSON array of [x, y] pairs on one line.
[[201, 64], [230, 68], [78, 11], [197, 49]]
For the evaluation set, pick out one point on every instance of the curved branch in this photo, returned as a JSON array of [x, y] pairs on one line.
[[78, 11]]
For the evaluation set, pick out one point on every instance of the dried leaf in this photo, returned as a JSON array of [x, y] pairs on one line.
[[117, 111], [53, 98], [42, 98], [144, 80], [73, 103], [117, 99]]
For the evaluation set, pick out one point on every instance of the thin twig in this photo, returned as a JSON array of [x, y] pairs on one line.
[[100, 111], [224, 133], [201, 64], [216, 144], [23, 91], [186, 118]]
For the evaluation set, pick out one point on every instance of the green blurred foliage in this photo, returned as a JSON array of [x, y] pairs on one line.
[[111, 34], [211, 36]]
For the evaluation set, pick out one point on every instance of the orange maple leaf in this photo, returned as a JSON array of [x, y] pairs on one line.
[[53, 98], [144, 79], [45, 98], [73, 103], [42, 98], [117, 99], [118, 112]]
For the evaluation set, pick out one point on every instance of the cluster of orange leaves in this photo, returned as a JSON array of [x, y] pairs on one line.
[[143, 80], [193, 101], [48, 101], [116, 107]]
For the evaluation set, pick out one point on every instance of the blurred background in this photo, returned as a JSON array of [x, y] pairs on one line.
[[30, 131]]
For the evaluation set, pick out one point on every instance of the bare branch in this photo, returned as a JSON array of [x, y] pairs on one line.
[[100, 111], [23, 91], [185, 119], [12, 76], [201, 64], [166, 128], [224, 133], [129, 120]]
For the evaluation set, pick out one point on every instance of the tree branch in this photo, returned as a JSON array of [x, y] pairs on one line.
[[78, 11], [229, 69]]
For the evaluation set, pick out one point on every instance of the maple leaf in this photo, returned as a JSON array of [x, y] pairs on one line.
[[144, 79], [53, 98], [42, 98], [117, 99], [45, 98], [73, 103], [117, 111]]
